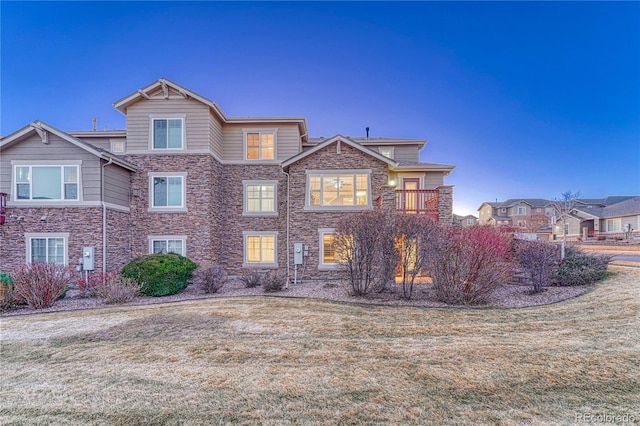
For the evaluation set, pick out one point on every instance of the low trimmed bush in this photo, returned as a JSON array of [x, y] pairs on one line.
[[251, 278], [579, 268], [7, 291], [274, 281], [210, 278], [41, 284], [160, 274], [540, 261]]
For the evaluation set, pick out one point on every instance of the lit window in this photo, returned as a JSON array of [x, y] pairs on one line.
[[338, 190], [260, 197], [51, 248], [167, 133], [260, 145], [167, 245], [260, 248], [328, 248], [52, 183]]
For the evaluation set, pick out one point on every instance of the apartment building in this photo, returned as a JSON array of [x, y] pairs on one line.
[[183, 177]]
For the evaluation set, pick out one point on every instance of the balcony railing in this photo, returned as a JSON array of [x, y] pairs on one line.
[[418, 201]]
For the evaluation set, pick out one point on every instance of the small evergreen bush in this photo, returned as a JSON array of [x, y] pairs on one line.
[[210, 278], [579, 268], [7, 291], [160, 274], [274, 281]]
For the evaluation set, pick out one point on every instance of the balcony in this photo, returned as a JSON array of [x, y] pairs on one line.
[[418, 201]]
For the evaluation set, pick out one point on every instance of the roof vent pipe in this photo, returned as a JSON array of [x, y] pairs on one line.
[[367, 130]]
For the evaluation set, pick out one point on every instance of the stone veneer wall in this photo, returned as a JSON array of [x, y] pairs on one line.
[[200, 223], [445, 204], [83, 224], [233, 223], [118, 240], [305, 224]]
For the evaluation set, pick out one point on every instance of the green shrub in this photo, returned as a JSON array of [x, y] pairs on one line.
[[7, 291], [579, 268], [160, 274]]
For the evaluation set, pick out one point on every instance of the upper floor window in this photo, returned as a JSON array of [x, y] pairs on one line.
[[260, 145], [386, 151], [521, 210], [260, 197], [167, 133], [167, 191], [338, 189], [53, 183]]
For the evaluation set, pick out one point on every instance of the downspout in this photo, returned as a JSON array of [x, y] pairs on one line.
[[104, 218], [287, 248]]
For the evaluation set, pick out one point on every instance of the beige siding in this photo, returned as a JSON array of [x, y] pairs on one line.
[[433, 180], [287, 143], [116, 185], [215, 137], [32, 148], [196, 123], [406, 153]]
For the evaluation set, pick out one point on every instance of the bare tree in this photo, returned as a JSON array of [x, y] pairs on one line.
[[562, 208], [412, 235]]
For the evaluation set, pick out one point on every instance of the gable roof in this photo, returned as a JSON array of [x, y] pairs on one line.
[[629, 206], [339, 138], [39, 128], [165, 84]]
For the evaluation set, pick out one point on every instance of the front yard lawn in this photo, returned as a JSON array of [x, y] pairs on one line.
[[302, 361]]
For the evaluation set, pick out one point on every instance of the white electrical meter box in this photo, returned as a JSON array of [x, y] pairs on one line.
[[88, 258], [297, 253]]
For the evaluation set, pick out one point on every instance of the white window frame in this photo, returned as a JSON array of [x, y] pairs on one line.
[[153, 118], [260, 132], [167, 238], [168, 209], [322, 265], [245, 248], [245, 199], [521, 208], [48, 236], [44, 163], [617, 222], [309, 173], [389, 149]]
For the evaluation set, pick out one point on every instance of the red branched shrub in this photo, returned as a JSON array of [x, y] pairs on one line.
[[41, 284], [467, 264]]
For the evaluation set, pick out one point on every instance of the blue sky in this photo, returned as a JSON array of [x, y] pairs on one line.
[[527, 99]]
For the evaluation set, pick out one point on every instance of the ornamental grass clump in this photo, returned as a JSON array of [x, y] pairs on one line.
[[41, 284], [251, 278], [160, 274]]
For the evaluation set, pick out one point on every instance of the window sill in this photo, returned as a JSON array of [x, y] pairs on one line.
[[260, 265], [336, 208], [167, 210], [328, 267], [260, 214]]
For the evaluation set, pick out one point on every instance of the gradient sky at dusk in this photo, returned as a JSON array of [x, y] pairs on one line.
[[527, 99]]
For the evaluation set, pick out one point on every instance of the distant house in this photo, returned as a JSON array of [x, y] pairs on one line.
[[183, 177], [464, 221], [611, 217], [529, 215]]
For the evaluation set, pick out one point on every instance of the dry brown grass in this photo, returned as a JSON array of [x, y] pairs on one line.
[[296, 361]]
